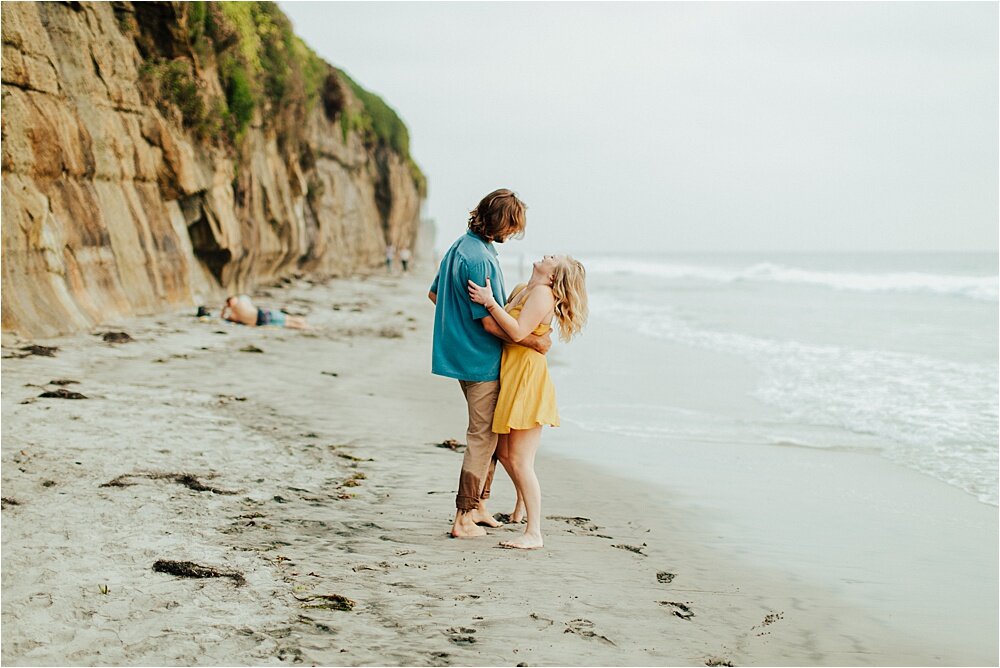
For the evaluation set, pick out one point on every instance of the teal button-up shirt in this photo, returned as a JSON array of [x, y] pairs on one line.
[[462, 348]]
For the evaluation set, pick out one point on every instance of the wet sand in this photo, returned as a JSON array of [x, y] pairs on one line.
[[304, 468]]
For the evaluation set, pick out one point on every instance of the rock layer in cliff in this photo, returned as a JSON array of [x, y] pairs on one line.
[[159, 154]]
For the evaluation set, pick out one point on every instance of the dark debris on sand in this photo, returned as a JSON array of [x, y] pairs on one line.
[[328, 602], [632, 548], [41, 351], [189, 569], [64, 381], [390, 333], [250, 349], [716, 661], [186, 479], [8, 501], [772, 618], [664, 577], [348, 456], [61, 393], [117, 337], [451, 444]]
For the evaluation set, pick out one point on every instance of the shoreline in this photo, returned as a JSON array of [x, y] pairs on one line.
[[327, 439], [924, 598]]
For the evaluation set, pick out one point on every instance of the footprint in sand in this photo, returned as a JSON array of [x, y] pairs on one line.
[[583, 523], [539, 618], [460, 635], [679, 609], [440, 658], [585, 629]]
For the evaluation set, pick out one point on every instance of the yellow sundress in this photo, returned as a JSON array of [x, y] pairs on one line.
[[527, 396]]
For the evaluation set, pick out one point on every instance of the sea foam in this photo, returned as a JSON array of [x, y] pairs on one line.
[[983, 288], [937, 416]]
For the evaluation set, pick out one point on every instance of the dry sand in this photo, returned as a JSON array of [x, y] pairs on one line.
[[327, 481]]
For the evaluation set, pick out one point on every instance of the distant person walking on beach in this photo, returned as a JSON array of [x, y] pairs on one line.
[[556, 290], [390, 252], [467, 347], [240, 309]]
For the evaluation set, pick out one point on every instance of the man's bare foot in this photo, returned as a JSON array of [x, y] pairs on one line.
[[524, 542], [482, 516], [465, 526], [517, 517]]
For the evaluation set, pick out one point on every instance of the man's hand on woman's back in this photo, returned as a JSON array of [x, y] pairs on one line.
[[540, 343]]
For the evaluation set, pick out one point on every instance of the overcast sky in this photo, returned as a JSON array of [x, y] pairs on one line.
[[633, 127]]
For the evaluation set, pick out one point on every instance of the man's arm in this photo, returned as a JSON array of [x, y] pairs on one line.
[[432, 294], [537, 343]]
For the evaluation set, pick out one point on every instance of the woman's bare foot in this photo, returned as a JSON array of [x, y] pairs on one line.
[[517, 517], [524, 542], [465, 526]]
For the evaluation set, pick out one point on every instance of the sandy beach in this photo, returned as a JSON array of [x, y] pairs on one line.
[[306, 466]]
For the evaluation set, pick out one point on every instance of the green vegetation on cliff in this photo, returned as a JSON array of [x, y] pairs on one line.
[[378, 119], [264, 71]]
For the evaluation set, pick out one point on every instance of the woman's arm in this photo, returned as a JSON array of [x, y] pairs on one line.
[[538, 343], [536, 307]]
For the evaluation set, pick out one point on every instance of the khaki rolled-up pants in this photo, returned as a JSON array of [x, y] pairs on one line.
[[480, 452]]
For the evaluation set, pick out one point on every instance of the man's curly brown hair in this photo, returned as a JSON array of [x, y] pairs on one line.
[[499, 216]]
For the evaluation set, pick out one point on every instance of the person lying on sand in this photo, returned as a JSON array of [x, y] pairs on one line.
[[240, 309]]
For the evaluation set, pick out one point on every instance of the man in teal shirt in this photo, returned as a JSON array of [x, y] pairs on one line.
[[468, 344]]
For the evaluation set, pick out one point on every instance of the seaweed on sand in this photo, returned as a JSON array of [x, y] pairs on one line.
[[451, 444], [329, 602], [117, 337], [28, 351], [61, 393], [189, 569], [186, 479]]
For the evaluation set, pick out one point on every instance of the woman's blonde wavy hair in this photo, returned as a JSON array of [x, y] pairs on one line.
[[569, 287]]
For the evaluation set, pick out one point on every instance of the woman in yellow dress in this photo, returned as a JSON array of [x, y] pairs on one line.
[[556, 291]]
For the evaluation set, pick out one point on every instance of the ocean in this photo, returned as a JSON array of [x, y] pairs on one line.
[[894, 353]]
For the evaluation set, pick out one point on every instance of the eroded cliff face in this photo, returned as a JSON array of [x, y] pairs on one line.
[[113, 205]]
